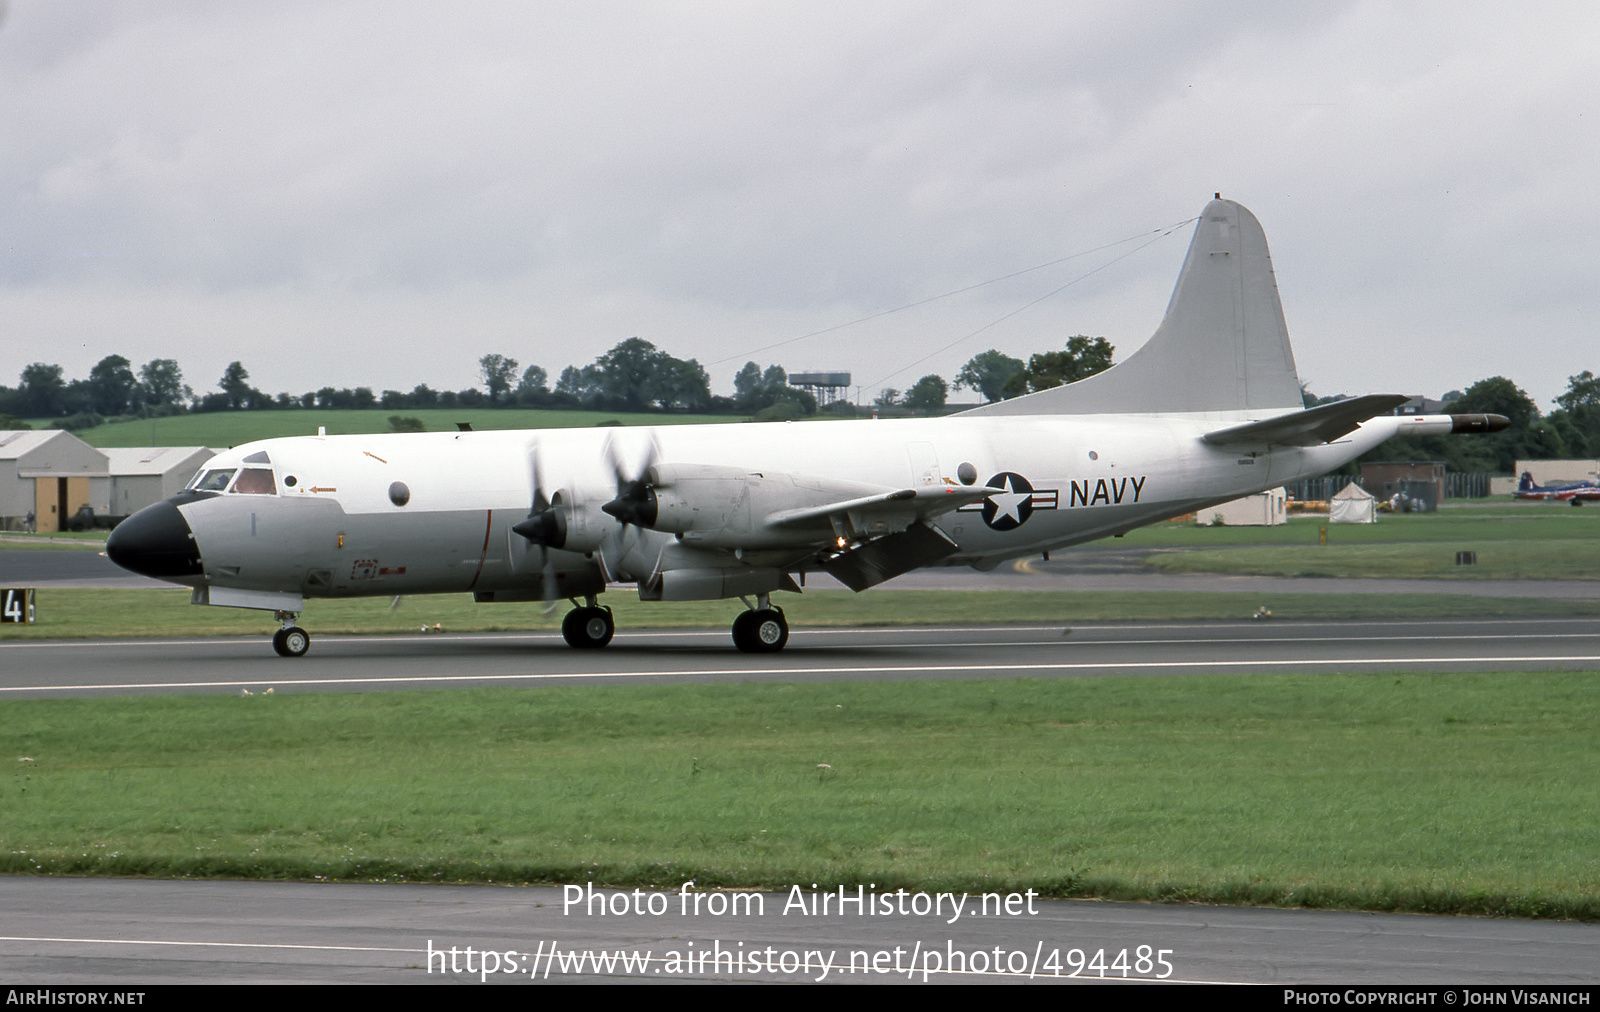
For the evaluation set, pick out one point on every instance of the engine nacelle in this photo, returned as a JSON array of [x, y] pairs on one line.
[[701, 498], [715, 506], [586, 527], [564, 525]]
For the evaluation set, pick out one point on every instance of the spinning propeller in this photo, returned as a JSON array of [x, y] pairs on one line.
[[635, 504], [546, 526]]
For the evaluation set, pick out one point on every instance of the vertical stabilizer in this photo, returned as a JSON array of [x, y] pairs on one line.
[[1222, 346]]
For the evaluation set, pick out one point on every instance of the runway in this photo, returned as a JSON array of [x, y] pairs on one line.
[[124, 933], [30, 669]]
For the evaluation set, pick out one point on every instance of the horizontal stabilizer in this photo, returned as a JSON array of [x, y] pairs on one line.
[[1321, 424]]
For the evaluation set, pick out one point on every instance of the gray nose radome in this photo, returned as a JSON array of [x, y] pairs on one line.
[[155, 542]]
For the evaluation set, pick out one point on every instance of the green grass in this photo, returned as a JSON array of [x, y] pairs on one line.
[[230, 428], [61, 541], [1513, 541], [1496, 522], [1448, 793], [68, 613], [1550, 559]]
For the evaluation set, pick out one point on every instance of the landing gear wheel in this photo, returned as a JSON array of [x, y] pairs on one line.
[[292, 642], [588, 628], [760, 631]]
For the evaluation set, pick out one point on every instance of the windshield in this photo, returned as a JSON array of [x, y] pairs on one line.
[[213, 481]]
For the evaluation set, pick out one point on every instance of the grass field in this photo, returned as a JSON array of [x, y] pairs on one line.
[[1451, 793], [1512, 541], [1556, 559], [61, 541], [1484, 521]]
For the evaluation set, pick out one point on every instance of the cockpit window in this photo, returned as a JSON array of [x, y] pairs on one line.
[[256, 480], [214, 481]]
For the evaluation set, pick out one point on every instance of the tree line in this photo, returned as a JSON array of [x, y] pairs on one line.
[[636, 376], [633, 376], [1570, 431]]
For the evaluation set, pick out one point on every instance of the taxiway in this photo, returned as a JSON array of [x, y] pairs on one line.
[[117, 932], [379, 663]]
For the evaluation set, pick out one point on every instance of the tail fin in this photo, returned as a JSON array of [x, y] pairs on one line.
[[1222, 346], [1525, 484]]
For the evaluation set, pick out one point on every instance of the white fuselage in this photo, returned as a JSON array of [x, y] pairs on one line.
[[332, 523]]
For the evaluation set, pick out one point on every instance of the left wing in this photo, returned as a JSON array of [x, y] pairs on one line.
[[718, 506], [739, 531]]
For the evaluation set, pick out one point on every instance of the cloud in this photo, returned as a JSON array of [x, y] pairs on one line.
[[299, 177]]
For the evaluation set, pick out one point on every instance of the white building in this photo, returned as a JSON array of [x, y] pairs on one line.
[[52, 474], [1264, 509], [142, 475], [46, 473]]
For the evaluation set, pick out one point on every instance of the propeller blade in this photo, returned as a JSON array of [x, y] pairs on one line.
[[544, 526], [548, 529], [635, 504], [552, 591]]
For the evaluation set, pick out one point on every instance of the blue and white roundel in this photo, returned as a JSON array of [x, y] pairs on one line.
[[1010, 509]]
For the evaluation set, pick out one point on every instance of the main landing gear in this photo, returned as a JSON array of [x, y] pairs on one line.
[[588, 628], [291, 640], [762, 629]]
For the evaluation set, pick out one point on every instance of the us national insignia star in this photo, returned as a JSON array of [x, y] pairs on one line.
[[1009, 509]]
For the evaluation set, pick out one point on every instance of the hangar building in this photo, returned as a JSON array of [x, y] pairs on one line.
[[46, 473], [52, 474]]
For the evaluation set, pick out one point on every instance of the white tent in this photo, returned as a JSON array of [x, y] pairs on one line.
[[1352, 505]]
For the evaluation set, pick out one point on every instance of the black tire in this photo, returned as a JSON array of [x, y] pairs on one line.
[[588, 628], [291, 642], [763, 631], [744, 637]]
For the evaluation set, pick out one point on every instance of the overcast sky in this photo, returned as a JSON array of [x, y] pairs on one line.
[[378, 194]]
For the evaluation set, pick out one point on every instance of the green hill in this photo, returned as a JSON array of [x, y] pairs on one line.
[[230, 428]]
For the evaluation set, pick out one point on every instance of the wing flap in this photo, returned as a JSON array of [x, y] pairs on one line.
[[885, 558]]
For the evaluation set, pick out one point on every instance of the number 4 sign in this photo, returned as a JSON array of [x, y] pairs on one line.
[[16, 604]]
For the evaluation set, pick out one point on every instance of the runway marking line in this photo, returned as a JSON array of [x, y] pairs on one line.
[[1003, 974], [219, 945], [555, 637], [853, 670], [1065, 626]]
